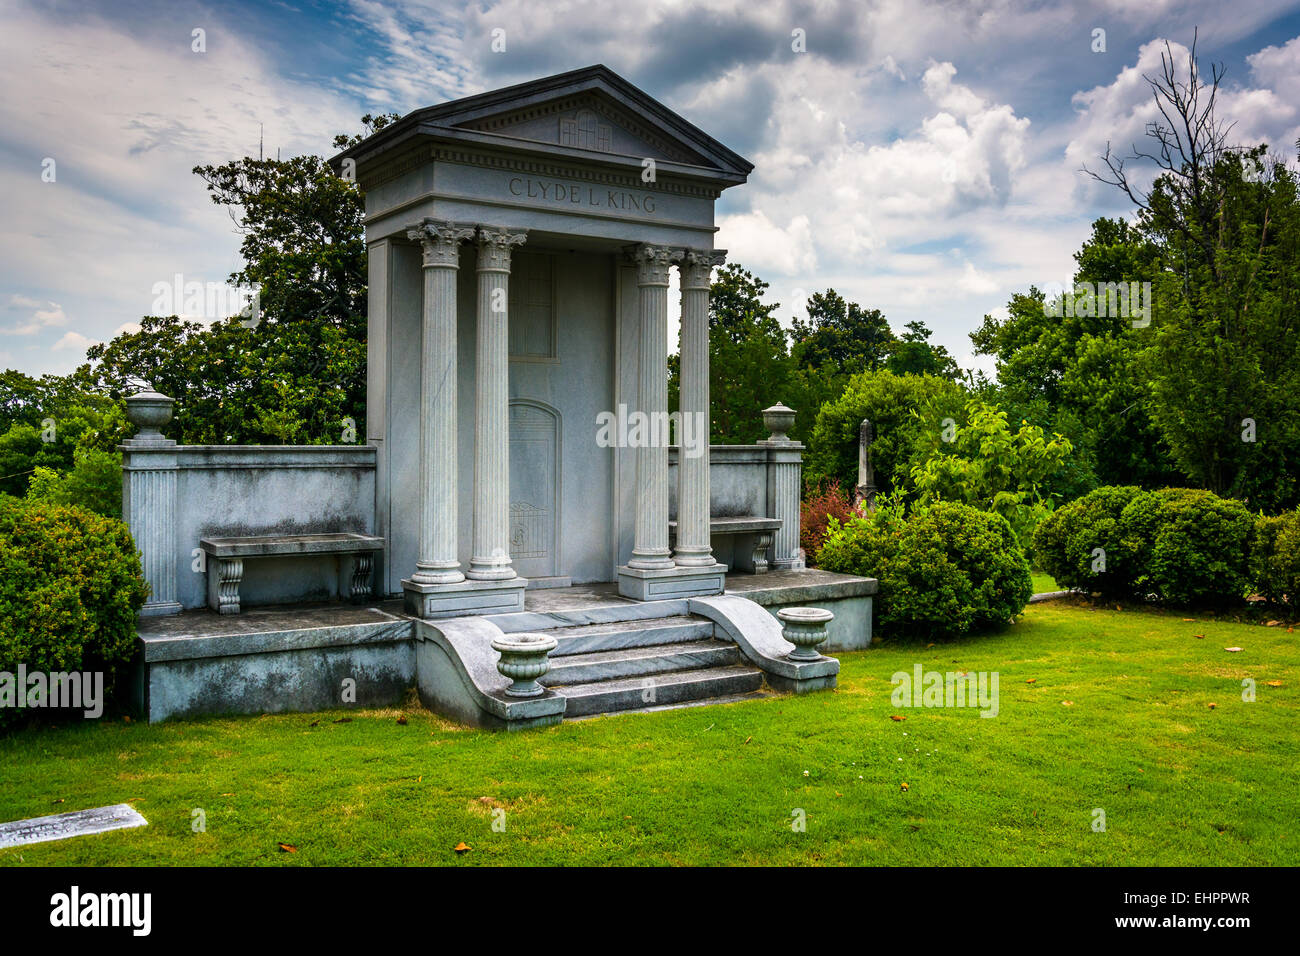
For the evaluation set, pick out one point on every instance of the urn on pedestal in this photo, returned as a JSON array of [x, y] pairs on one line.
[[805, 628], [523, 660]]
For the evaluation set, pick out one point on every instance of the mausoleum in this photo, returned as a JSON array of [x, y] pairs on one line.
[[518, 493]]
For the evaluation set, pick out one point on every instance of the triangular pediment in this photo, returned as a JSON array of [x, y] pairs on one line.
[[588, 121], [588, 114]]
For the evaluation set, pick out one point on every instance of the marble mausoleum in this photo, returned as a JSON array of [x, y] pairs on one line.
[[516, 487]]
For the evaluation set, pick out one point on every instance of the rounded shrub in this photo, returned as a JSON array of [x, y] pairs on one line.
[[947, 569], [1191, 546], [70, 588], [1275, 558], [1080, 544]]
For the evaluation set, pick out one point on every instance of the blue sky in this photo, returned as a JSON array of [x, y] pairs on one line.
[[920, 157]]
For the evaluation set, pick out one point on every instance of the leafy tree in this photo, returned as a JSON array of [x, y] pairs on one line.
[[749, 365], [296, 373], [983, 463], [94, 483], [836, 341], [890, 401], [914, 355], [1225, 224]]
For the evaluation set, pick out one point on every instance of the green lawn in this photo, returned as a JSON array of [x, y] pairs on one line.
[[1044, 583], [1180, 783]]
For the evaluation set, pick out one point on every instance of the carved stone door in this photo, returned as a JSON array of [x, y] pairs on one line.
[[534, 489]]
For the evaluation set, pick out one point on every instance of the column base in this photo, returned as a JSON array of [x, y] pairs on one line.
[[433, 601], [161, 609], [641, 584]]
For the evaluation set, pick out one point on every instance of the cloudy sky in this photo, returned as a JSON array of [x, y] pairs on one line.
[[920, 157]]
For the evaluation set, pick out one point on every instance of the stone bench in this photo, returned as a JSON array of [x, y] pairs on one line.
[[229, 555], [753, 539]]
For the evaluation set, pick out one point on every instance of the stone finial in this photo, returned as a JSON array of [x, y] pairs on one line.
[[805, 628], [778, 419], [149, 411], [524, 658]]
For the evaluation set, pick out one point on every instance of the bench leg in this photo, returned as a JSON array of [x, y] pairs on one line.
[[762, 544], [230, 571], [361, 569]]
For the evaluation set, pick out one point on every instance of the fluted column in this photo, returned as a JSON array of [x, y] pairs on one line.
[[437, 562], [694, 548], [650, 544], [491, 555]]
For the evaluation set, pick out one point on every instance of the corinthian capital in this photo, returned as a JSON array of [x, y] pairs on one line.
[[653, 263], [697, 267], [441, 241], [494, 245]]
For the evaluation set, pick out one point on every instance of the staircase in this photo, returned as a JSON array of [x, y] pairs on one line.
[[647, 664]]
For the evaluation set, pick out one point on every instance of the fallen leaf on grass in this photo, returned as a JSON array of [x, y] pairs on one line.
[[1212, 706], [1032, 680], [60, 800], [748, 739], [287, 848], [1189, 620], [901, 787], [462, 847], [402, 721], [1068, 703], [1273, 683], [896, 717], [1232, 650], [228, 794], [1272, 623]]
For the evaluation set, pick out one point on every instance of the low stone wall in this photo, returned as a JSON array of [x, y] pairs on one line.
[[174, 495]]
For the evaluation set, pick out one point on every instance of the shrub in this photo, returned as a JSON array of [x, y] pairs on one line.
[[1066, 543], [70, 587], [94, 483], [1275, 558], [1190, 545], [827, 501], [946, 569]]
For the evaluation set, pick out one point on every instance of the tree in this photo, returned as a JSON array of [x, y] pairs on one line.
[[749, 365], [914, 355], [1221, 369], [296, 372], [983, 463], [836, 341], [892, 403]]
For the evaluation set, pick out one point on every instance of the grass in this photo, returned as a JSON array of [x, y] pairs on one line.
[[1117, 718], [1044, 583]]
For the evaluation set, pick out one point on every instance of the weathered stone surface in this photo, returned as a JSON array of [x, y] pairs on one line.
[[61, 826], [759, 635]]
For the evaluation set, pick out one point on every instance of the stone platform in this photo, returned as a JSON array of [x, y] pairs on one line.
[[306, 657]]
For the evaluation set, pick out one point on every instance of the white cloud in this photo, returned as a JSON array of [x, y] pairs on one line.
[[73, 340]]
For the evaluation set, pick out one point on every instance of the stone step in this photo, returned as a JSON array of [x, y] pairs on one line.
[[658, 689], [611, 611], [588, 638], [762, 694], [640, 661]]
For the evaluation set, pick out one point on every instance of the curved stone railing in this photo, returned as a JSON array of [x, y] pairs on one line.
[[758, 634]]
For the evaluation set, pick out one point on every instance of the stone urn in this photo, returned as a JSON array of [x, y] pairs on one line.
[[805, 628], [523, 660], [778, 420], [149, 411]]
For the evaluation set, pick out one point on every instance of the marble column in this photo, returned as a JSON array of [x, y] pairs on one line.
[[694, 548], [490, 560], [650, 543], [437, 562]]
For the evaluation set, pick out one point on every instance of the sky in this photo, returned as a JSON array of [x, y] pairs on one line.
[[922, 157]]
